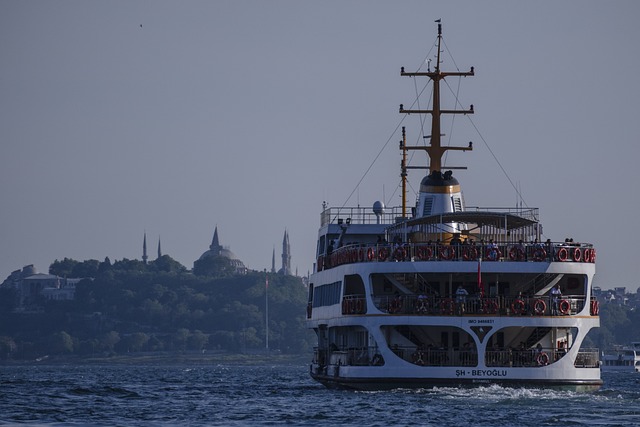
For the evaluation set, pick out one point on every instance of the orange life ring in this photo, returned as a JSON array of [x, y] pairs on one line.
[[539, 254], [424, 253], [577, 254], [564, 306], [542, 359], [359, 306], [490, 306], [595, 307], [371, 254], [470, 254], [383, 253], [518, 306], [539, 307], [593, 255], [400, 253], [516, 254], [563, 254], [446, 252]]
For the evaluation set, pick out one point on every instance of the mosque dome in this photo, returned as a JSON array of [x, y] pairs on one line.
[[217, 250]]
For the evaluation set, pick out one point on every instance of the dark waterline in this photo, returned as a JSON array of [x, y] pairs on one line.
[[274, 395]]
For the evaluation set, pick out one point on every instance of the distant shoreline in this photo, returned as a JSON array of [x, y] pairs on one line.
[[164, 358]]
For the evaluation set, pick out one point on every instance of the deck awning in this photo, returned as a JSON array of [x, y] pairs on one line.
[[501, 220]]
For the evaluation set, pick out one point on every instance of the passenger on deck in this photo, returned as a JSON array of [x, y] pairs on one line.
[[556, 294], [461, 298]]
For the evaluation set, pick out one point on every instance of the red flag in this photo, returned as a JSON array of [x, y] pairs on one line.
[[480, 286]]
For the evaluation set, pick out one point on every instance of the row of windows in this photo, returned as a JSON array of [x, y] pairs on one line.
[[327, 294]]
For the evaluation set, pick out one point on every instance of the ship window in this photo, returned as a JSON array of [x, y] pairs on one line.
[[328, 294], [428, 206]]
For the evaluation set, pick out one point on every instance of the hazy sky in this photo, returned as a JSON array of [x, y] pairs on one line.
[[118, 117]]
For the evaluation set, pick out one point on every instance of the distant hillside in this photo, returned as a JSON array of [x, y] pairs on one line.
[[129, 306]]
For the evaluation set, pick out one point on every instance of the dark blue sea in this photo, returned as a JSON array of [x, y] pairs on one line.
[[228, 395]]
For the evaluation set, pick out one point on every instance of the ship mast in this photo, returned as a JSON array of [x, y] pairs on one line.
[[434, 150]]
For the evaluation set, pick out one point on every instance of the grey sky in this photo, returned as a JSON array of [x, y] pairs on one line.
[[174, 117]]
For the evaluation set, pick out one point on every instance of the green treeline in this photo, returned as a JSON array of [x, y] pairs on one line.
[[618, 325], [129, 306]]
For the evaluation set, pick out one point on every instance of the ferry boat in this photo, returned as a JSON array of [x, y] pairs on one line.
[[622, 358], [446, 294]]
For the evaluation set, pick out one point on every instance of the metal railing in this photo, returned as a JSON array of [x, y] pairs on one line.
[[413, 252], [502, 306]]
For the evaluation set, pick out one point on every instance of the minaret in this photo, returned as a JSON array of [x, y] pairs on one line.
[[159, 250], [273, 261], [286, 254], [144, 249]]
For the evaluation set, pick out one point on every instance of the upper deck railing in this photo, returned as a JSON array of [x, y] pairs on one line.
[[391, 215], [359, 215], [496, 252]]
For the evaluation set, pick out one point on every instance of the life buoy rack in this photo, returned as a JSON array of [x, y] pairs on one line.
[[516, 254], [577, 254], [563, 254], [447, 306], [492, 254], [542, 359], [564, 306], [447, 253], [518, 306], [383, 253], [470, 254], [539, 307], [539, 254], [490, 306], [595, 307]]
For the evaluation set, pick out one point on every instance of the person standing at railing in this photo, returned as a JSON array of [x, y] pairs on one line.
[[461, 299], [556, 294]]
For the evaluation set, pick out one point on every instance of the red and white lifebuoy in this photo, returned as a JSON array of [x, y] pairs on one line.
[[539, 254], [563, 254], [577, 254], [542, 359], [516, 254], [539, 307], [447, 253], [518, 306]]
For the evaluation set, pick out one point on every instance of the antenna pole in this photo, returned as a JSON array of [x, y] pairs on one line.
[[435, 150]]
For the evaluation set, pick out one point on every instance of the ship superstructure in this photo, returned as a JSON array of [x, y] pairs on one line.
[[448, 294]]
